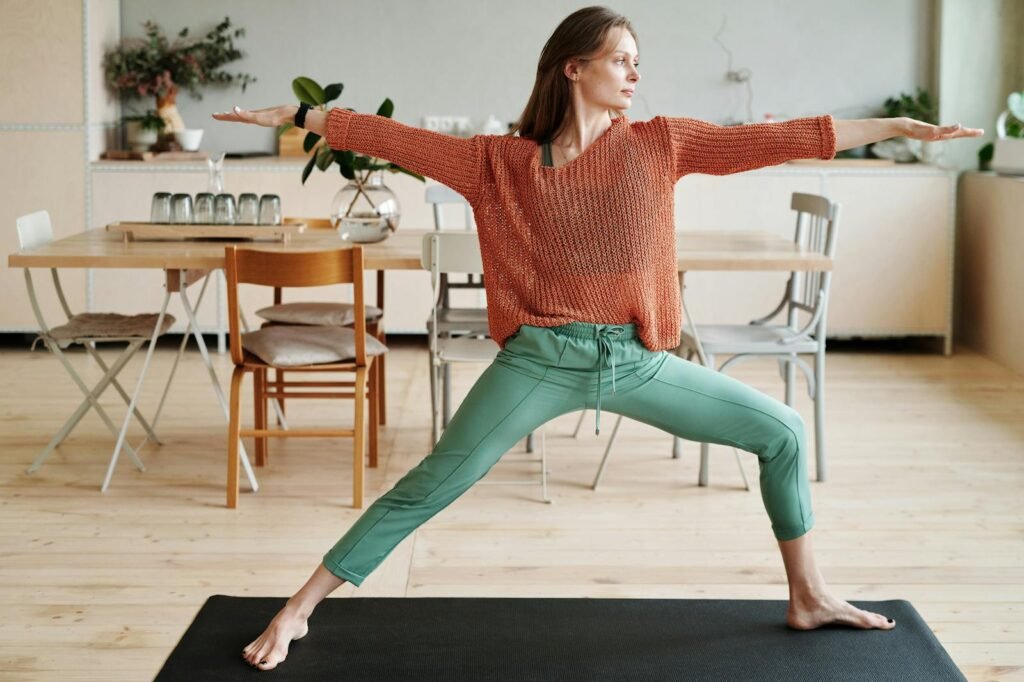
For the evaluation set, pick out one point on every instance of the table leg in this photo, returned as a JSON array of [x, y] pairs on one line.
[[183, 292], [177, 357]]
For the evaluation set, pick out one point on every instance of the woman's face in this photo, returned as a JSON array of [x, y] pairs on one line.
[[608, 80]]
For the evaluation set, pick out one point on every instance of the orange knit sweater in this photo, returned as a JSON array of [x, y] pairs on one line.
[[592, 240]]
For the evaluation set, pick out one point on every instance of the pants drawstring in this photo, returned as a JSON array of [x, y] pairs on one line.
[[605, 336]]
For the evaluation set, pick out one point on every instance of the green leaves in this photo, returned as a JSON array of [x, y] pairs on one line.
[[395, 168], [322, 156], [310, 141], [332, 92], [284, 128], [308, 91], [308, 169], [154, 65], [920, 108], [345, 161]]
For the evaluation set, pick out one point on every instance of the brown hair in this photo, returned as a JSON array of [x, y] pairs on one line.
[[581, 36]]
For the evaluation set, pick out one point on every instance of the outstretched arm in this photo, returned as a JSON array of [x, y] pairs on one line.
[[272, 117], [850, 134], [701, 147], [453, 161]]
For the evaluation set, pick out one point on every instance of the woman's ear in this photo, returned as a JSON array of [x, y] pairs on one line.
[[572, 70]]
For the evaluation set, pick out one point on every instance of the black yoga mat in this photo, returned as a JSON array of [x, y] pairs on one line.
[[559, 639]]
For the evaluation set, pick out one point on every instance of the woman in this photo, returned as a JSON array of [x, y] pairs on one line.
[[578, 246]]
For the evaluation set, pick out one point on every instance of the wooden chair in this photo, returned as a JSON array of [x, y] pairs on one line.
[[249, 353], [374, 327]]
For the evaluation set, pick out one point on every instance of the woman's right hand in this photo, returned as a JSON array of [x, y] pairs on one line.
[[270, 117]]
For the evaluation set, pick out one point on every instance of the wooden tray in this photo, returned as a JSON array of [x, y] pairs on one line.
[[162, 232]]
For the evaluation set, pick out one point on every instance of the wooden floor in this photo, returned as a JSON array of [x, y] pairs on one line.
[[923, 503]]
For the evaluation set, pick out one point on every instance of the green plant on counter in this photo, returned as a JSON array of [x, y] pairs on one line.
[[353, 166], [1014, 128], [919, 107], [150, 120], [155, 67]]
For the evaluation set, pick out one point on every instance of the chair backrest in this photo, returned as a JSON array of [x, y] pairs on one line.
[[817, 222], [440, 195], [34, 230], [325, 224], [451, 252], [446, 253], [294, 269]]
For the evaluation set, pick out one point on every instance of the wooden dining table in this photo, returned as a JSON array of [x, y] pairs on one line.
[[98, 248], [188, 261]]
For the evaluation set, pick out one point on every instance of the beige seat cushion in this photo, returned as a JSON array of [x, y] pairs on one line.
[[319, 314], [293, 346], [110, 326]]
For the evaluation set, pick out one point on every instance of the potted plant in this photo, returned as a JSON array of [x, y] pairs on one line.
[[365, 209], [142, 130], [154, 67], [1006, 154], [920, 107]]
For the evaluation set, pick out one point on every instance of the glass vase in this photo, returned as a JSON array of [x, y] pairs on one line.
[[366, 198]]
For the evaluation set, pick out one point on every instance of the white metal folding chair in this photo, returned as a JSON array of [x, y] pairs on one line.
[[466, 315], [817, 221], [455, 320], [459, 253], [88, 329]]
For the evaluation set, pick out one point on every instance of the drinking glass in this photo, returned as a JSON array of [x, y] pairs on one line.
[[215, 168], [181, 209], [160, 211], [224, 209], [204, 208], [248, 209], [270, 209]]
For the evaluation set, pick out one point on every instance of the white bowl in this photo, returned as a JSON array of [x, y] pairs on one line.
[[189, 139], [363, 230]]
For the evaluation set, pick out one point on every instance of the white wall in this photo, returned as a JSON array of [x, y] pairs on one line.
[[477, 57]]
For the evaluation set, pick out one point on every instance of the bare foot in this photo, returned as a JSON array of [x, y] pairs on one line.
[[813, 612], [271, 647]]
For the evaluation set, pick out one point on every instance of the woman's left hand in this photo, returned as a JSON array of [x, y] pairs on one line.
[[919, 130]]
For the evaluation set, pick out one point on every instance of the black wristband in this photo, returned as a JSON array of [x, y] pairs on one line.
[[300, 115]]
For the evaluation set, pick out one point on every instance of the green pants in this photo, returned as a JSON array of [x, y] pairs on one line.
[[543, 373]]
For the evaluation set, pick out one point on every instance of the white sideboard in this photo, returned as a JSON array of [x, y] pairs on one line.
[[893, 272]]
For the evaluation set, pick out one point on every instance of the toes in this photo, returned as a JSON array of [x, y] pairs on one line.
[[270, 661], [877, 621], [257, 655]]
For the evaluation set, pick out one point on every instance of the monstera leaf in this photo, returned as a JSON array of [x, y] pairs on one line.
[[308, 91]]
